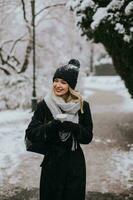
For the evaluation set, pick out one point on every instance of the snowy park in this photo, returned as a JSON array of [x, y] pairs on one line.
[[36, 37], [109, 156]]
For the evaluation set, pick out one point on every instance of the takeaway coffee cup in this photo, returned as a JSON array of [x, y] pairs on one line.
[[62, 117]]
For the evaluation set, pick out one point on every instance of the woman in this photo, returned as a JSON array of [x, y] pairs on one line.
[[62, 121]]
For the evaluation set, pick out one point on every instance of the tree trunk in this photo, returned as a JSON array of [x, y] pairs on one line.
[[121, 53], [27, 52], [124, 67]]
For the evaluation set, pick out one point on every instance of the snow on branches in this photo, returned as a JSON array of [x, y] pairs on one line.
[[129, 9], [117, 13]]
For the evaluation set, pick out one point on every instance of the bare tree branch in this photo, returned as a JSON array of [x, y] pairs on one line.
[[26, 57], [6, 42], [16, 41], [5, 70], [50, 18], [10, 60], [6, 61], [9, 41], [14, 59], [47, 7], [10, 57], [24, 11]]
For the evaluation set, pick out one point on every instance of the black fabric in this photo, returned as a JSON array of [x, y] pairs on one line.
[[52, 130], [41, 146], [64, 178], [36, 147], [63, 171]]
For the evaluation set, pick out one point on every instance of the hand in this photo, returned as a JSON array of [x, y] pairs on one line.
[[55, 124], [68, 126], [52, 130]]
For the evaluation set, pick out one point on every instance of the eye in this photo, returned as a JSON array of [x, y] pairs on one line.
[[56, 80], [63, 82]]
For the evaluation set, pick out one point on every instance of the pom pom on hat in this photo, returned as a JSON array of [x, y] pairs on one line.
[[68, 72], [74, 62]]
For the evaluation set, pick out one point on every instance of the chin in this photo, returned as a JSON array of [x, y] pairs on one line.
[[57, 94]]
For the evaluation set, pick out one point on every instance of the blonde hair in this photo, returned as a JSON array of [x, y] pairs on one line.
[[74, 96]]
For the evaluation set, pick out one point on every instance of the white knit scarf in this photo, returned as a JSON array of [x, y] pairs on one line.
[[56, 105]]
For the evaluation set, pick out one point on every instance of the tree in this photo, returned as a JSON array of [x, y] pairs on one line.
[[10, 62], [109, 22]]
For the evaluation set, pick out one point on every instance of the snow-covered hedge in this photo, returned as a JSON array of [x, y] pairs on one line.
[[118, 13], [111, 23]]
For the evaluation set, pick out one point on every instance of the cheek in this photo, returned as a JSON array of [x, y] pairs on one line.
[[66, 88], [54, 85]]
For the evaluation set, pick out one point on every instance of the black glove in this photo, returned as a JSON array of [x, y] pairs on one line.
[[68, 126], [52, 129], [54, 124]]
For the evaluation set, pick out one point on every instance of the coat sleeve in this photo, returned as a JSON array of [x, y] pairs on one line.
[[85, 131], [38, 130]]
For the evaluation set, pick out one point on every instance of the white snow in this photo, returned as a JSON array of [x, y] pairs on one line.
[[14, 115], [12, 127], [109, 83], [73, 4], [115, 5], [131, 29], [105, 60], [127, 105], [104, 12], [127, 38], [120, 28], [129, 8], [110, 13], [123, 164], [100, 14], [87, 3], [73, 67]]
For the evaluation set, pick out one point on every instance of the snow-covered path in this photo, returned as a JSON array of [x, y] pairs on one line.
[[110, 156]]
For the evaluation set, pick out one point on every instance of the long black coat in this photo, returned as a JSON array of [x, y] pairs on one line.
[[63, 175]]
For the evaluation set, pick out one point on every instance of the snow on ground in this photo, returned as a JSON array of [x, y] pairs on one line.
[[12, 126], [14, 115], [123, 163], [109, 83]]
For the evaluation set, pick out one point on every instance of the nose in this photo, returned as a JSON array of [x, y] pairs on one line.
[[58, 85]]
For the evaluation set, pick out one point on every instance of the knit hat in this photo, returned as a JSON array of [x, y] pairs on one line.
[[68, 73]]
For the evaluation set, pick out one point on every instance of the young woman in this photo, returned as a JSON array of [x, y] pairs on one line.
[[61, 122]]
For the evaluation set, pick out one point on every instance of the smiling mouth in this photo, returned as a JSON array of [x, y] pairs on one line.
[[59, 90]]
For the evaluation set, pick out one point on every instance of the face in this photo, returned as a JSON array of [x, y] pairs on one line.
[[60, 87]]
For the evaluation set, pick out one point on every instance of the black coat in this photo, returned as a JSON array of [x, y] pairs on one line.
[[63, 175]]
